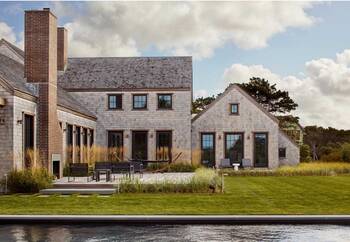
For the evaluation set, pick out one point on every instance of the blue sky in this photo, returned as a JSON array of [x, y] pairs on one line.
[[283, 56]]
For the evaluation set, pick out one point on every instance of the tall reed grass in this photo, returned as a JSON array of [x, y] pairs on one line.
[[204, 181], [303, 169]]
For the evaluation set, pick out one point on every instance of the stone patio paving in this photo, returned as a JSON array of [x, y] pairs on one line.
[[172, 177]]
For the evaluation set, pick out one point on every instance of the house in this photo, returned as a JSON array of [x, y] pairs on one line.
[[140, 107]]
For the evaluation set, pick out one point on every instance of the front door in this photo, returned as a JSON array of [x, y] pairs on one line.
[[139, 145], [261, 149], [28, 141], [115, 145]]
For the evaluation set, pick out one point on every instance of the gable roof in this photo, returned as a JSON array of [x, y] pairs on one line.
[[12, 72], [14, 48], [244, 93], [123, 73]]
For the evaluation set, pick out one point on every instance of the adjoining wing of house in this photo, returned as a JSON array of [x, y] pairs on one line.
[[140, 106]]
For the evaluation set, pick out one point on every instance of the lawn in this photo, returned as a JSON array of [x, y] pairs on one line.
[[243, 195]]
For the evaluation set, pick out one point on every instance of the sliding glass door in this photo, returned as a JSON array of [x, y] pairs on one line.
[[234, 147], [261, 150], [208, 149]]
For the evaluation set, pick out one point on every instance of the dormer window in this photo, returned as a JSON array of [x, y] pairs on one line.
[[234, 108]]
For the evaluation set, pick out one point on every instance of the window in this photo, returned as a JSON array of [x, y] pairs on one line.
[[234, 147], [91, 137], [164, 101], [28, 139], [282, 152], [208, 149], [163, 151], [69, 143], [139, 101], [115, 101], [77, 144], [234, 108]]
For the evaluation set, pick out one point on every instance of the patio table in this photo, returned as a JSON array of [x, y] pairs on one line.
[[103, 171]]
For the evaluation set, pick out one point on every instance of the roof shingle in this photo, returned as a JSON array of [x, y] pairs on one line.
[[128, 73]]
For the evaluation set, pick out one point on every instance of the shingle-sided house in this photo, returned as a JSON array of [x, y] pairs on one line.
[[142, 105]]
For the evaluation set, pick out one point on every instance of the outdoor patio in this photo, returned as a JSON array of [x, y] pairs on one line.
[[172, 177]]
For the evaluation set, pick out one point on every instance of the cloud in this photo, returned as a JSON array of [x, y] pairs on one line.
[[177, 28], [322, 92], [200, 93], [7, 32]]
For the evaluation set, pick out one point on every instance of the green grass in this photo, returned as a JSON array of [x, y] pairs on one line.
[[243, 195]]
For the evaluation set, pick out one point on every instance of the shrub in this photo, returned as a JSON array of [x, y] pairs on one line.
[[28, 181], [303, 169], [173, 167], [204, 180], [338, 154]]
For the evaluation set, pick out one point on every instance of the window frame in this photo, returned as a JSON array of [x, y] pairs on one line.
[[225, 144], [117, 107], [171, 101], [284, 150], [214, 148], [133, 101], [235, 113]]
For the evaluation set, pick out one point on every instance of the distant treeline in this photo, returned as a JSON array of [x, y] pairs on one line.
[[327, 143]]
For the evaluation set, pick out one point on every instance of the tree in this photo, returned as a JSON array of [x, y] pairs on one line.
[[201, 103], [275, 101], [305, 153]]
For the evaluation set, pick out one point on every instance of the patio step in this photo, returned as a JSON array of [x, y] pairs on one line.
[[81, 186], [82, 191]]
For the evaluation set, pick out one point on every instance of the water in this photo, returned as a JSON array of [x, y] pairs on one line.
[[174, 233]]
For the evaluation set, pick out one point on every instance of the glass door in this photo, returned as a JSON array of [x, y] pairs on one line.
[[234, 149], [115, 145], [208, 149], [261, 150], [139, 145], [164, 144]]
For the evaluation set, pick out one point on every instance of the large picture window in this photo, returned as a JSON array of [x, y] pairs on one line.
[[234, 148], [139, 101], [69, 140], [208, 149], [28, 139]]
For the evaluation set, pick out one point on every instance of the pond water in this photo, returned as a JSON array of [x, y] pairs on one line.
[[59, 233]]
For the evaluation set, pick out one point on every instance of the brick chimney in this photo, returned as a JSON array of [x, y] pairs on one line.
[[62, 45], [41, 68]]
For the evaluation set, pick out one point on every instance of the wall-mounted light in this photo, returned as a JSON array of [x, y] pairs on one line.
[[19, 121], [248, 137], [127, 136], [2, 102], [219, 137]]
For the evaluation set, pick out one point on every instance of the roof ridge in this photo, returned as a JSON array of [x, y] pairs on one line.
[[111, 57], [244, 93], [16, 49]]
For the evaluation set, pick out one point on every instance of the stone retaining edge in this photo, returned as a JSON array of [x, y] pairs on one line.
[[178, 219]]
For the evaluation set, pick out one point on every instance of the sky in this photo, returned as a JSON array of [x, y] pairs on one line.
[[302, 47]]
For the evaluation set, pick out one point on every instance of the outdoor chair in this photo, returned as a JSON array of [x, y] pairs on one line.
[[78, 170], [102, 166], [225, 163], [138, 167], [247, 163], [122, 168]]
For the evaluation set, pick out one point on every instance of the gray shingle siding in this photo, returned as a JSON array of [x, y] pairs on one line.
[[127, 73]]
